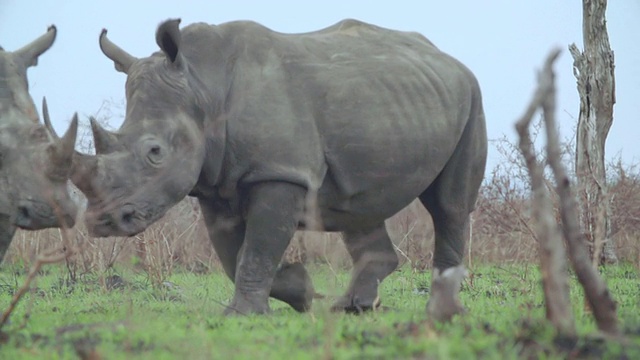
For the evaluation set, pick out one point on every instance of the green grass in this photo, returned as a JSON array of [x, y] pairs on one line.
[[505, 320]]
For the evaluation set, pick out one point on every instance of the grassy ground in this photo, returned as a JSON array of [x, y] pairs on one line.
[[182, 319]]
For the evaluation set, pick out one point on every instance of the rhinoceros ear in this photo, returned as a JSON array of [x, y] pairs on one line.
[[122, 60], [29, 53], [168, 39]]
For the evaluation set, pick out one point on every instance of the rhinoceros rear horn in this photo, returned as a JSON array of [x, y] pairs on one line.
[[104, 141], [122, 60], [30, 52], [168, 39], [47, 119]]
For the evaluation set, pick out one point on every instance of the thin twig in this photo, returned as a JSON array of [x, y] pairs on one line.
[[50, 257]]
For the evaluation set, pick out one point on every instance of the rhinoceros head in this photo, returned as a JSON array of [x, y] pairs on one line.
[[154, 160], [34, 163], [35, 166]]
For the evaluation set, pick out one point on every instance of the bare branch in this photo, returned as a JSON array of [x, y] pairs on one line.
[[552, 252]]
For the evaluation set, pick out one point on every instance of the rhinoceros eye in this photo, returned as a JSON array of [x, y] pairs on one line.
[[155, 154]]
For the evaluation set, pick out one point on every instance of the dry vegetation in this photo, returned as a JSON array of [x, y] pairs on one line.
[[502, 231], [502, 227]]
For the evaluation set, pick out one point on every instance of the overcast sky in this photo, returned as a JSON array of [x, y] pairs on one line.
[[503, 42]]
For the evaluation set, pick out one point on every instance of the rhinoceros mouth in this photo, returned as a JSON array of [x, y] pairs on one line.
[[34, 215], [125, 220]]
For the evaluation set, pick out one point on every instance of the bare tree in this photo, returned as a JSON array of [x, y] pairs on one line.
[[593, 69]]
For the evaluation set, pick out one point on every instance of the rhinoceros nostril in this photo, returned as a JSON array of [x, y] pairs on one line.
[[69, 220], [127, 214], [24, 212]]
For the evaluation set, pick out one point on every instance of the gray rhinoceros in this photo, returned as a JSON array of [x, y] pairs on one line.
[[34, 163], [333, 130]]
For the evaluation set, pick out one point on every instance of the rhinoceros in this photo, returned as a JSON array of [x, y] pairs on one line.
[[333, 130], [35, 164]]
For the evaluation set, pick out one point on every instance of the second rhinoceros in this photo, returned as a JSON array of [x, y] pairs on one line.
[[34, 163]]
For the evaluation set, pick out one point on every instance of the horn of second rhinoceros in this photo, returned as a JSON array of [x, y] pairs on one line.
[[122, 60], [30, 52], [47, 119], [63, 156], [82, 169], [103, 140]]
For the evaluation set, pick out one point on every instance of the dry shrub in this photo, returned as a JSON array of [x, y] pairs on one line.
[[624, 189], [502, 223], [501, 231]]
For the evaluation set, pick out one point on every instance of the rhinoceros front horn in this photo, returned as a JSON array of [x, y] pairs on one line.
[[122, 60], [65, 145], [104, 141]]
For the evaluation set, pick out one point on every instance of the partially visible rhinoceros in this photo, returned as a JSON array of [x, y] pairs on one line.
[[333, 130], [34, 163]]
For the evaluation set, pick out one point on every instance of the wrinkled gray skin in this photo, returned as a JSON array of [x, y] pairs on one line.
[[335, 130], [34, 163]]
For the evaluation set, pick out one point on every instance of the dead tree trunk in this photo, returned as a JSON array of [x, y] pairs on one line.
[[593, 69], [553, 263]]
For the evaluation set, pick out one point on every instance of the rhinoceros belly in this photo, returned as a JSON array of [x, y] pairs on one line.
[[363, 187]]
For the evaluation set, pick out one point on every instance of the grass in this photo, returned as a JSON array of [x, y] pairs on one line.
[[126, 316]]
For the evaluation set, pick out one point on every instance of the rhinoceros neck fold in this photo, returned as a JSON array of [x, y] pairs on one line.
[[5, 91], [13, 94]]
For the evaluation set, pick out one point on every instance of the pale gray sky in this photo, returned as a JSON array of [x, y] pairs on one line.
[[502, 41]]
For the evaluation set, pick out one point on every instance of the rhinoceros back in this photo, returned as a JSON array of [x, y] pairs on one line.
[[366, 116]]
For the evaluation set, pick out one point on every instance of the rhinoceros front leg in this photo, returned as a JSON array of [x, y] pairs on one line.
[[7, 230], [373, 260], [272, 216], [227, 230]]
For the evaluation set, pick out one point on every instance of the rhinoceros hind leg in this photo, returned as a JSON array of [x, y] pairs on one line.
[[450, 214], [373, 260], [450, 199], [444, 303], [293, 285]]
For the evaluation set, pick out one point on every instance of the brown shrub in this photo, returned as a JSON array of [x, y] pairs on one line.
[[500, 233]]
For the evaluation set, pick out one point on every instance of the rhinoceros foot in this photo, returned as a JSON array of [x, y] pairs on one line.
[[247, 304], [353, 304], [293, 285], [444, 302]]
